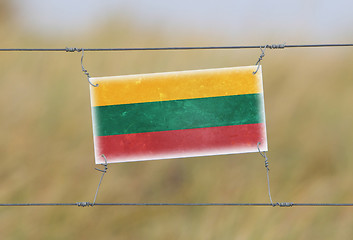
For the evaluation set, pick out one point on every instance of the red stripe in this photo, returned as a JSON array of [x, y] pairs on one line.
[[181, 143]]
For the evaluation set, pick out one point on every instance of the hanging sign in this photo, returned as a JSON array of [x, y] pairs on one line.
[[178, 114]]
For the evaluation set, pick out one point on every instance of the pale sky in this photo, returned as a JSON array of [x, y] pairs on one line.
[[315, 20]]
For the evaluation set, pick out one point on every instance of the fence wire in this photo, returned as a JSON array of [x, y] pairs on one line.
[[268, 46], [88, 204], [93, 204]]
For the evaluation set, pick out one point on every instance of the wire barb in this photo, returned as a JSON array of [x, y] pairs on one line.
[[105, 164], [83, 69]]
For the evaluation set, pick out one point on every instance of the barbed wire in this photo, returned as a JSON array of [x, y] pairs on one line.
[[269, 46]]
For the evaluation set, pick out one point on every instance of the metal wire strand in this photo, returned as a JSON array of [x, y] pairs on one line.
[[86, 204], [271, 46], [260, 59], [105, 164], [263, 154], [83, 69]]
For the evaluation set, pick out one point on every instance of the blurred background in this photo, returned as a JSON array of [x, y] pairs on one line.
[[45, 121]]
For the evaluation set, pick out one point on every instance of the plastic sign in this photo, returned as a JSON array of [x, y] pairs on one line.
[[178, 114]]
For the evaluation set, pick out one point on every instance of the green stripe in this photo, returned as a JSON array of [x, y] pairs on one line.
[[178, 114]]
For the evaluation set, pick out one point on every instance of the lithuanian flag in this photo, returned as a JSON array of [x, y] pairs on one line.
[[178, 114]]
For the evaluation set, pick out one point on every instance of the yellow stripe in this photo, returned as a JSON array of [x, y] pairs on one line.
[[175, 85]]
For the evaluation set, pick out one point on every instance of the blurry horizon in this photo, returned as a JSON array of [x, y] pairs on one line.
[[236, 22]]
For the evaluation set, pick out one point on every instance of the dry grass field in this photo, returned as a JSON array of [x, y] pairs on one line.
[[47, 149]]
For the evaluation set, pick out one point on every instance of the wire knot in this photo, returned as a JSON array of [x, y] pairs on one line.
[[263, 48], [276, 46], [283, 204], [260, 59], [263, 154], [105, 164], [267, 164], [68, 49], [84, 204]]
